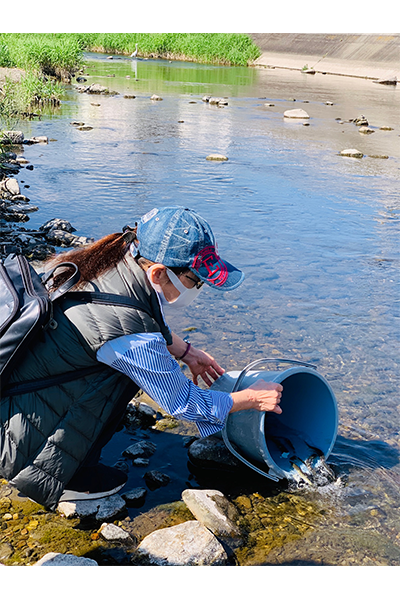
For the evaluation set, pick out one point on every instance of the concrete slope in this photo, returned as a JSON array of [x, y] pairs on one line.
[[374, 56]]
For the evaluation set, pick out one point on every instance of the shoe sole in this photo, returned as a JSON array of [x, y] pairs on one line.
[[70, 495]]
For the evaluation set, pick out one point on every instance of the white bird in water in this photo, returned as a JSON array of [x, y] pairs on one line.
[[134, 54]]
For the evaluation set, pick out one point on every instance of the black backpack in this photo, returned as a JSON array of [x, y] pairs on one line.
[[26, 310]]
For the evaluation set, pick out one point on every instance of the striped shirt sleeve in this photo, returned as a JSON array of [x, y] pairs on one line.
[[144, 357]]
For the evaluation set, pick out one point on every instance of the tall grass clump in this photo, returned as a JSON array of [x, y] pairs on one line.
[[221, 48]]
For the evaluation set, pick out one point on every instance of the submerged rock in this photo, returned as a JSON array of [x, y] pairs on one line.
[[187, 544], [217, 157]]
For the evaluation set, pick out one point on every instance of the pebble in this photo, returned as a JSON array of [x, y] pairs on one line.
[[217, 157], [156, 98], [365, 130]]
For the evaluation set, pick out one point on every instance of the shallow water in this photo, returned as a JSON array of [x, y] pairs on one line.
[[316, 234]]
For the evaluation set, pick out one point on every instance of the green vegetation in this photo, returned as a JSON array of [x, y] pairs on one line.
[[47, 58]]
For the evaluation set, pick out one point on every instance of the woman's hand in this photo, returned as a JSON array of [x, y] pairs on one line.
[[202, 365], [261, 395]]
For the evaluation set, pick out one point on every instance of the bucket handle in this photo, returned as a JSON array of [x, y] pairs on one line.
[[243, 460], [235, 388], [264, 360]]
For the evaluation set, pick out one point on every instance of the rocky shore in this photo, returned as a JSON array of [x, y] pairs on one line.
[[201, 528]]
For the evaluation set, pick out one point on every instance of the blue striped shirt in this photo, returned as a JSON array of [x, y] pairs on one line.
[[144, 357]]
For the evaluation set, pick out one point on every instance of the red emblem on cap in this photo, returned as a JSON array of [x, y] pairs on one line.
[[211, 266]]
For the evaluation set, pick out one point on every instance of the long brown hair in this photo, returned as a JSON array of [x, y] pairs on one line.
[[97, 258], [93, 260]]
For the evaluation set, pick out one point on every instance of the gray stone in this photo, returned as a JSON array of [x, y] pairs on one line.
[[135, 497], [352, 153], [213, 510], [156, 479], [56, 559], [113, 533], [296, 113], [211, 452], [187, 544], [143, 449], [57, 224], [102, 510]]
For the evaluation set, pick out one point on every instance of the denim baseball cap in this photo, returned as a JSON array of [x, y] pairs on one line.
[[176, 236]]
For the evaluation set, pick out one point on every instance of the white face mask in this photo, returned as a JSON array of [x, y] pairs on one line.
[[186, 295]]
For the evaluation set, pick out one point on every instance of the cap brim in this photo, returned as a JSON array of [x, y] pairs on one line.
[[214, 271]]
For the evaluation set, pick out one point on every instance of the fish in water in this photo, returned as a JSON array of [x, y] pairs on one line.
[[301, 474]]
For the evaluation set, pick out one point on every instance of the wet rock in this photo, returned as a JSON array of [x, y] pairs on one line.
[[136, 497], [56, 559], [187, 544], [65, 239], [11, 137], [141, 462], [113, 533], [378, 156], [122, 465], [217, 157], [156, 479], [143, 449], [10, 185], [85, 128], [211, 452], [139, 415], [40, 139], [296, 113], [269, 104], [352, 153], [104, 509], [361, 120], [156, 98], [129, 96], [365, 130], [206, 98], [54, 224], [386, 128], [213, 510], [96, 88], [218, 101]]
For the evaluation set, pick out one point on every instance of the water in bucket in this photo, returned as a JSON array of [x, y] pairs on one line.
[[294, 444]]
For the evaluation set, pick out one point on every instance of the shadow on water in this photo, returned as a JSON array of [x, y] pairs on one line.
[[350, 459]]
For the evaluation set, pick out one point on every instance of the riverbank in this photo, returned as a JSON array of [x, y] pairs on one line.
[[369, 56]]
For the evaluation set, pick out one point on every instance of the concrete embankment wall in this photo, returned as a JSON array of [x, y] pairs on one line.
[[374, 56]]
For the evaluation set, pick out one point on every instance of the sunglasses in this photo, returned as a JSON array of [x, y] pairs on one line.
[[197, 284]]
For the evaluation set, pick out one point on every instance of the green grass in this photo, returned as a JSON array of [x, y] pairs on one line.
[[49, 57]]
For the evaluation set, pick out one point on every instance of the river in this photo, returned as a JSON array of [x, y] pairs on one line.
[[316, 234]]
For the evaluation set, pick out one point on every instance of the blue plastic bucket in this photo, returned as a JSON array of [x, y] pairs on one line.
[[269, 443]]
